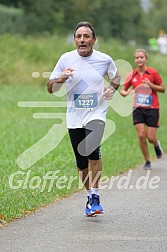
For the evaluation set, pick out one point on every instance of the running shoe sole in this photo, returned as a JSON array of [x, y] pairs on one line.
[[97, 212], [90, 215]]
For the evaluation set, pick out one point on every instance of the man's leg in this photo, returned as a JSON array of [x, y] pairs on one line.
[[95, 131], [76, 136], [84, 176], [90, 176], [95, 170], [85, 144]]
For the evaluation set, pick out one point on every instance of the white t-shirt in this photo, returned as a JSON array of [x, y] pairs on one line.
[[84, 90]]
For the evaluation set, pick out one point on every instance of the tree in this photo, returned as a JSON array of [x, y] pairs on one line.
[[158, 14], [43, 16], [11, 3], [110, 18], [121, 19]]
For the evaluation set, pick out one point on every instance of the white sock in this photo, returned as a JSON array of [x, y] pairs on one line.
[[95, 191], [88, 192]]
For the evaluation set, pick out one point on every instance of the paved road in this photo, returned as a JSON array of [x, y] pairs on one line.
[[135, 219]]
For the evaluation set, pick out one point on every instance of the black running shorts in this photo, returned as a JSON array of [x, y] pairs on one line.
[[149, 117], [86, 142]]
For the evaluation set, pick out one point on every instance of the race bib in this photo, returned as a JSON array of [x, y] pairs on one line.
[[144, 100], [85, 101]]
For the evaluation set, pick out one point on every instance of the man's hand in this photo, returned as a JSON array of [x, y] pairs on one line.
[[108, 92], [55, 84], [67, 73]]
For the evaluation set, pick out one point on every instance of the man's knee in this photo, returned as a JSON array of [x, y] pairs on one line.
[[94, 162], [82, 162]]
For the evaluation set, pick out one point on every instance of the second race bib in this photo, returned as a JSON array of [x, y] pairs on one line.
[[144, 100]]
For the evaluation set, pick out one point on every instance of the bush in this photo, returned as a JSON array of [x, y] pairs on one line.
[[11, 20]]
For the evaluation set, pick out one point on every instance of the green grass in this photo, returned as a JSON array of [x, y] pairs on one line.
[[19, 130]]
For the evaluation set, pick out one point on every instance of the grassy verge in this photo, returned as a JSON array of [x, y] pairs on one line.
[[21, 190]]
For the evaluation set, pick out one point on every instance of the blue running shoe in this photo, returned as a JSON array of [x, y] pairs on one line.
[[96, 208], [88, 207]]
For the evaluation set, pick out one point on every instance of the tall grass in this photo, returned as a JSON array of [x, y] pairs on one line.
[[19, 130]]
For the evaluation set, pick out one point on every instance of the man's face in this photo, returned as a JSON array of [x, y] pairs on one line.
[[84, 41]]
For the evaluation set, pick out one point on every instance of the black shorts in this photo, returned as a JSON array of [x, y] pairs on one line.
[[86, 142], [149, 117]]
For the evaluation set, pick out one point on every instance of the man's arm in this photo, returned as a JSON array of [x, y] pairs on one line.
[[54, 85], [116, 81], [114, 85]]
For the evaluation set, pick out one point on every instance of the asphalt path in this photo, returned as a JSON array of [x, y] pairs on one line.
[[135, 219]]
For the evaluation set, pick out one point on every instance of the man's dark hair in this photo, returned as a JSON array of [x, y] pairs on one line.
[[86, 24]]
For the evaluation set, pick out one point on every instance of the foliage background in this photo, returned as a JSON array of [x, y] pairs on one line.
[[122, 19]]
